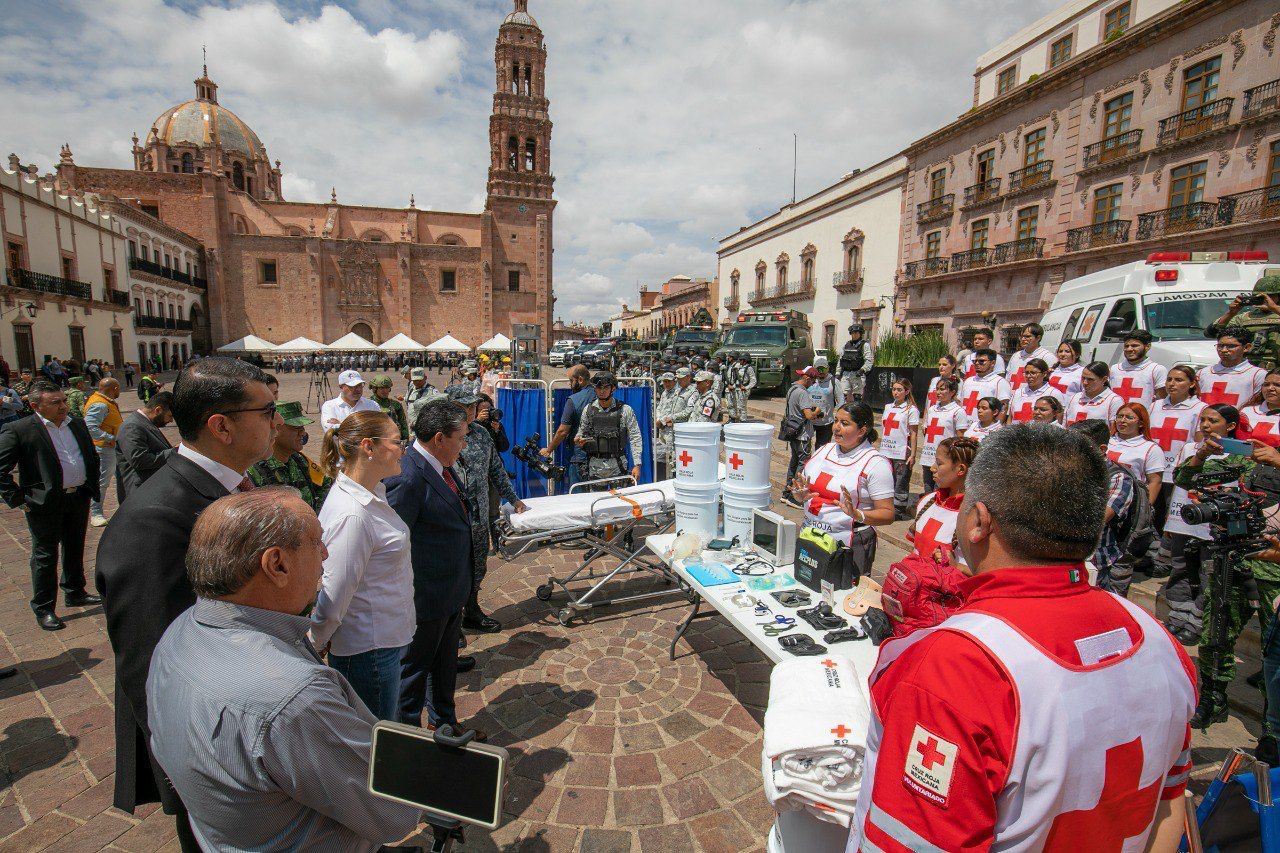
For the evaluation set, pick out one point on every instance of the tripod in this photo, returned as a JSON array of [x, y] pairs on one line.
[[318, 389]]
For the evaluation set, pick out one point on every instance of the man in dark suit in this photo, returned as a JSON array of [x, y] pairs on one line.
[[427, 495], [57, 476], [226, 417], [141, 447]]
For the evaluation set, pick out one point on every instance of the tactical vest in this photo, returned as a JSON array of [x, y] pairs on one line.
[[853, 357], [606, 429]]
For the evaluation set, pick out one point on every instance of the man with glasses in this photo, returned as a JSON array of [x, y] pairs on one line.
[[226, 416]]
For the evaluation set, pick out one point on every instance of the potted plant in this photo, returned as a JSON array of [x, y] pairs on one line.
[[913, 357]]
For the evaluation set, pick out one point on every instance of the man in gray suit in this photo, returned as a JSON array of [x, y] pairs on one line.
[[143, 448]]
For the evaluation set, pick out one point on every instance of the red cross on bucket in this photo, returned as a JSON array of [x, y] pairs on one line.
[[829, 663], [685, 458], [1126, 390], [1167, 433], [933, 431], [971, 402], [1123, 810], [1218, 394], [1026, 413], [889, 423], [841, 732], [822, 496], [736, 461], [929, 754]]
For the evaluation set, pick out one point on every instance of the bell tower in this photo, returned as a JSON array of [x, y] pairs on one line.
[[520, 128]]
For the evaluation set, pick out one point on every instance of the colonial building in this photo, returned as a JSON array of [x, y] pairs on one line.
[[831, 255], [280, 269], [1103, 132], [63, 275], [682, 297]]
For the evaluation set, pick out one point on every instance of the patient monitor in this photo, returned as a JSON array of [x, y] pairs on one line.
[[773, 537]]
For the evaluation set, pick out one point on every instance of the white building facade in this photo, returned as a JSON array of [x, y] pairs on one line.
[[64, 276], [832, 256]]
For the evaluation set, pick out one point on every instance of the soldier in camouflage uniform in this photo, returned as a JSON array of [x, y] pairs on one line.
[[76, 394], [741, 381], [672, 408], [481, 466], [287, 465], [707, 408], [381, 387]]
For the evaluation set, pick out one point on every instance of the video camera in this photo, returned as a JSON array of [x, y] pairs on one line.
[[530, 453]]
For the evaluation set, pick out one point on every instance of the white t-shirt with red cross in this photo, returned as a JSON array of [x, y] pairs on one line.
[[967, 369], [896, 426], [940, 422], [1257, 422], [1180, 498], [977, 387], [1103, 407], [935, 526], [933, 389], [1138, 383], [1018, 361], [1172, 426], [1235, 386], [1066, 380], [1140, 455], [863, 471], [978, 432], [1022, 404]]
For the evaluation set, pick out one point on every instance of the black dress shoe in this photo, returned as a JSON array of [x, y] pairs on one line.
[[466, 663], [483, 624], [49, 621], [81, 599], [8, 671]]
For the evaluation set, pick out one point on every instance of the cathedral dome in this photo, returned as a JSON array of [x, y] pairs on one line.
[[520, 18], [202, 122]]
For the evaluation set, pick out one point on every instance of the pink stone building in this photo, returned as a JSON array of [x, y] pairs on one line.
[[1103, 132]]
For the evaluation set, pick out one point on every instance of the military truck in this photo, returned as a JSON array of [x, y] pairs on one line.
[[779, 343]]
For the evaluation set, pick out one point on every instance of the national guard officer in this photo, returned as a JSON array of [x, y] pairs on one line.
[[606, 424], [684, 383], [742, 381], [672, 409], [715, 368], [76, 394], [707, 407], [381, 387], [481, 467], [287, 465], [855, 362]]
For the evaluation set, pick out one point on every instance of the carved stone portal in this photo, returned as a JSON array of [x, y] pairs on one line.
[[359, 289]]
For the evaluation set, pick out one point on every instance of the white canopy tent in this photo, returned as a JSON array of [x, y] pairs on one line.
[[249, 343], [300, 344], [448, 344], [351, 342], [497, 342], [401, 343]]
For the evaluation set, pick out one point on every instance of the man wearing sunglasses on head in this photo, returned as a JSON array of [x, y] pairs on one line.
[[226, 416]]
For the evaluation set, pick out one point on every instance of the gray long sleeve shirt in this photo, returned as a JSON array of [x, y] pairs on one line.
[[267, 747]]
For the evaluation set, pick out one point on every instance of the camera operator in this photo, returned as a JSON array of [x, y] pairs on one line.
[[1267, 749]]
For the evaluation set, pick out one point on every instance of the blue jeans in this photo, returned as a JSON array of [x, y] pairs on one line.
[[375, 676]]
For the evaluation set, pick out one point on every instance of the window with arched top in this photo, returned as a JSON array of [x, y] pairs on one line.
[[374, 236], [188, 163], [237, 175], [530, 155], [733, 282], [513, 153], [451, 240]]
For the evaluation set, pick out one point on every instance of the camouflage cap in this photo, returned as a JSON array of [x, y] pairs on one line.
[[683, 372], [462, 395], [75, 380], [291, 414], [417, 373], [704, 376], [380, 381]]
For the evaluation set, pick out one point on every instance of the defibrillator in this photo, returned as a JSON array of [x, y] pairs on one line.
[[821, 562]]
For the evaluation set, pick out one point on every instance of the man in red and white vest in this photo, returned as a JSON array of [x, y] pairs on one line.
[[1233, 380], [1045, 714]]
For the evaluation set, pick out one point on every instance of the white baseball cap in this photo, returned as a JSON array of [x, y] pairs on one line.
[[350, 378]]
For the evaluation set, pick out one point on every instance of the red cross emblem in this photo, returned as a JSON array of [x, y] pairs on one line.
[[934, 430], [829, 663], [1167, 433], [970, 371], [685, 459], [1056, 382], [1266, 432], [841, 732], [1126, 390], [736, 461], [1025, 413], [1123, 809], [890, 422], [1018, 378], [971, 402], [926, 538], [933, 398], [929, 754], [1113, 455], [822, 495], [1218, 394]]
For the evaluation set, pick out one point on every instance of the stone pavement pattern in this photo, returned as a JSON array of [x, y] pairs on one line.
[[614, 748]]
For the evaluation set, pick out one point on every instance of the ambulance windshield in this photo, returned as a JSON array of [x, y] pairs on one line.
[[1184, 316]]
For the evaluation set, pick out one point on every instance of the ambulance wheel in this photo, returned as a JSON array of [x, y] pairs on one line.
[[543, 592], [565, 617]]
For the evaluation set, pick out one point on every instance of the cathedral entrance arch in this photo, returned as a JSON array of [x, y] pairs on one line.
[[363, 330]]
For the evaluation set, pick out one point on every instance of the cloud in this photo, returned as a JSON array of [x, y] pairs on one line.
[[673, 120]]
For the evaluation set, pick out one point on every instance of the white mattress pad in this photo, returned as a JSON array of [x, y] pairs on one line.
[[569, 511]]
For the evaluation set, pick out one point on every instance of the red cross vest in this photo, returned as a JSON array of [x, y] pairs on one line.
[[1018, 362], [1066, 380], [896, 426], [1179, 498], [978, 432], [1137, 383], [936, 525], [827, 472], [1071, 786], [940, 422], [1234, 386], [933, 389], [1255, 422], [1102, 407], [1022, 404], [1172, 426], [1140, 455], [977, 387]]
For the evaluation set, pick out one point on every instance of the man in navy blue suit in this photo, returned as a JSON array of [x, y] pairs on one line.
[[427, 495]]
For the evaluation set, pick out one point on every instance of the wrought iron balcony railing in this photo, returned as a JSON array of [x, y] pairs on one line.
[[847, 281], [983, 191], [1251, 206], [1112, 148], [972, 259], [923, 268], [28, 280], [1261, 100], [1031, 177], [160, 271], [1196, 121], [142, 321], [197, 281], [936, 208], [1099, 234], [117, 297], [731, 302], [1019, 250], [1179, 219]]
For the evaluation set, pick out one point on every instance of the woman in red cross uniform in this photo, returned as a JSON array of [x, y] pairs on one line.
[[1096, 399], [942, 419], [935, 525], [898, 443], [1035, 374], [1065, 377], [846, 486], [1263, 420], [1132, 447], [946, 370], [1174, 421]]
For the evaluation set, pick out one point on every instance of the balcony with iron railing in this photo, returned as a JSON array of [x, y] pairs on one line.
[[1261, 101], [1179, 219], [44, 283], [924, 268], [1113, 148], [1251, 206], [731, 302], [982, 192], [1099, 234], [116, 297], [936, 208], [1195, 122], [1030, 177], [847, 281], [972, 259], [1025, 249], [144, 321], [160, 271], [790, 291]]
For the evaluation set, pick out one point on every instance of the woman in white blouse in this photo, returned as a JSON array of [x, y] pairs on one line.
[[364, 613]]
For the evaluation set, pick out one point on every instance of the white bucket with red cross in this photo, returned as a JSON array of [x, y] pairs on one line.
[[740, 503], [746, 454], [697, 453]]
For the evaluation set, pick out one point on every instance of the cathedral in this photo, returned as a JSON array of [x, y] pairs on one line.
[[280, 269]]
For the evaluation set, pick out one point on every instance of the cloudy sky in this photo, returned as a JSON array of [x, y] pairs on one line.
[[673, 119]]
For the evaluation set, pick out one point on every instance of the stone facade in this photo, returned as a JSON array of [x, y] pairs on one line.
[[682, 298], [280, 269], [1158, 128]]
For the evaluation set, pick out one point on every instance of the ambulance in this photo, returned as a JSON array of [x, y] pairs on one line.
[[1173, 295]]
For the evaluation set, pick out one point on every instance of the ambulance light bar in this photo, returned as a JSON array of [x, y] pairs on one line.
[[1205, 257], [763, 317]]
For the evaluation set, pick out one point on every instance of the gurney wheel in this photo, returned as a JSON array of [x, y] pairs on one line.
[[544, 592], [565, 617]]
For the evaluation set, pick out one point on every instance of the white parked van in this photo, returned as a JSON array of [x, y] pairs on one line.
[[1173, 295]]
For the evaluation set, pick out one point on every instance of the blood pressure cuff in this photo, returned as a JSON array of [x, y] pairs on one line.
[[819, 557]]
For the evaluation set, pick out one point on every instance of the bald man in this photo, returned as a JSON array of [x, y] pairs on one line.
[[102, 417]]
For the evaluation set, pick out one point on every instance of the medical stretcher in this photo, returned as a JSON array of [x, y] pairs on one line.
[[612, 523]]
